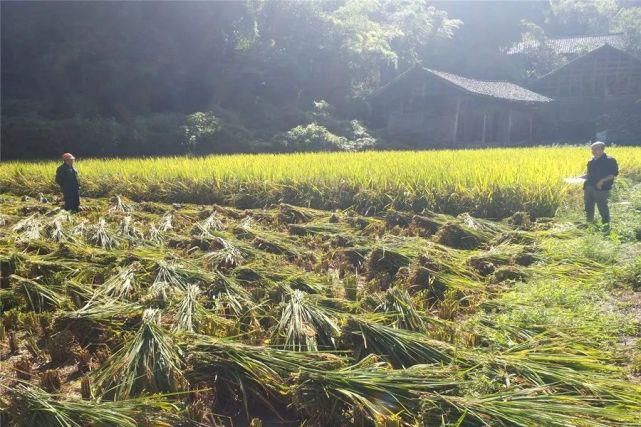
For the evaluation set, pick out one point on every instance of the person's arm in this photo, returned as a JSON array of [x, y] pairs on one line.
[[603, 181], [59, 179]]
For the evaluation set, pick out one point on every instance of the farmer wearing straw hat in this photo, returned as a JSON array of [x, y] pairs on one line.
[[598, 182], [67, 179]]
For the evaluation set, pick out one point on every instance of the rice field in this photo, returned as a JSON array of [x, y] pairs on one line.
[[491, 183], [214, 291]]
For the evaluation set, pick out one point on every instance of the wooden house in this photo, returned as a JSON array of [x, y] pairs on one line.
[[568, 48], [424, 107], [603, 80]]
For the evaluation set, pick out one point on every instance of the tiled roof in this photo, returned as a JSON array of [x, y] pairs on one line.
[[493, 89], [572, 45]]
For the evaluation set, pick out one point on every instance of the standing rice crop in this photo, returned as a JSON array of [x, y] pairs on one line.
[[450, 181]]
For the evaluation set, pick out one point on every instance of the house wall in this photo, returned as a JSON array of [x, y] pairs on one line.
[[421, 111], [430, 121], [595, 84], [605, 73]]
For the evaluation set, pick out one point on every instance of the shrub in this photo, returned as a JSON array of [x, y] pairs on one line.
[[313, 137], [200, 129]]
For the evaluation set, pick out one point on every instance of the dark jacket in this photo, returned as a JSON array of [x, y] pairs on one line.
[[67, 178], [600, 168]]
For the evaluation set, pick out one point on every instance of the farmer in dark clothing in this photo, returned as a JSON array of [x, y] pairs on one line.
[[67, 179], [598, 182]]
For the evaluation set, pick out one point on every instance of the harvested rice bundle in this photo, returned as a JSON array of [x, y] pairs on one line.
[[192, 316], [522, 407], [123, 285], [304, 325], [481, 225], [226, 255], [100, 235], [155, 236], [151, 361], [129, 231], [288, 214], [368, 390], [31, 406], [55, 230], [206, 227], [241, 372], [166, 223], [229, 298], [398, 304], [80, 229], [560, 363], [401, 347], [118, 205], [29, 229], [428, 223], [460, 236], [385, 260], [168, 277], [517, 237], [37, 296]]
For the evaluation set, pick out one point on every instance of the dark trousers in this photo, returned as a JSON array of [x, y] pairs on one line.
[[72, 200], [592, 196]]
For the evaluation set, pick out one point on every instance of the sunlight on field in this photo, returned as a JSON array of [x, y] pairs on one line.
[[490, 182]]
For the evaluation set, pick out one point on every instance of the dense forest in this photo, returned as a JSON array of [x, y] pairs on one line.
[[161, 78]]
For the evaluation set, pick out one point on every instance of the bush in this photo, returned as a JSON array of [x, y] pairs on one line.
[[205, 133], [200, 129], [313, 137]]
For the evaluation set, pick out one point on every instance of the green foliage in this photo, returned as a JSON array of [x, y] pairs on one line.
[[313, 137], [628, 21], [200, 129], [588, 15]]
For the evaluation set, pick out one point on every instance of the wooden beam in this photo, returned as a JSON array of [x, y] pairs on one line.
[[456, 119], [484, 126], [509, 126]]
